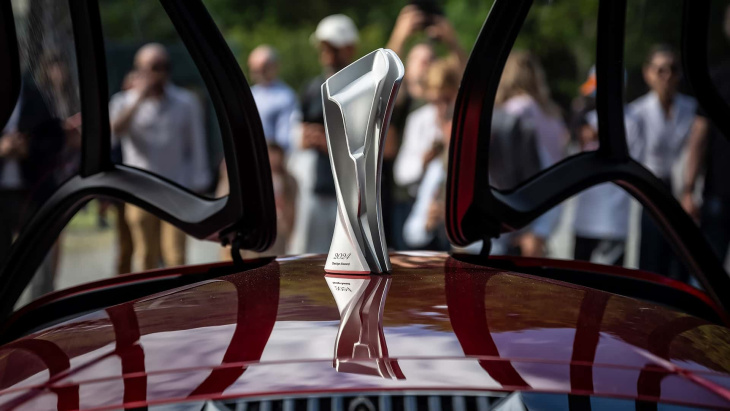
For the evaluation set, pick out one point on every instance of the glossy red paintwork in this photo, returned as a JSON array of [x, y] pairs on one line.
[[445, 325]]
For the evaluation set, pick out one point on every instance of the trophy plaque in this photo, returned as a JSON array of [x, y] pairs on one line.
[[358, 101]]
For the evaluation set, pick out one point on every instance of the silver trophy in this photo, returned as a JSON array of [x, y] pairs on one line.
[[358, 101]]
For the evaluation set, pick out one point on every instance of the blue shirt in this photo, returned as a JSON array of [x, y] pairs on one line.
[[276, 102]]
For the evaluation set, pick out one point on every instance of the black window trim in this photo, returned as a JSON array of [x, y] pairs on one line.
[[10, 71]]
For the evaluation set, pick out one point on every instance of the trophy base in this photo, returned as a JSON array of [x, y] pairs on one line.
[[344, 257]]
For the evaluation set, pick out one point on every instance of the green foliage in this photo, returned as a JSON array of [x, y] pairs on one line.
[[135, 20], [561, 32], [563, 35]]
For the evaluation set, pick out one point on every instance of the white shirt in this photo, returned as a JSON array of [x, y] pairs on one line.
[[166, 136], [276, 102], [10, 177], [602, 212], [419, 135], [664, 137], [414, 230]]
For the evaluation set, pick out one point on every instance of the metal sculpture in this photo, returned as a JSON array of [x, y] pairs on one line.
[[358, 101]]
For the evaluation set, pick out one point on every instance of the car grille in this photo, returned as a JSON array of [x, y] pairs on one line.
[[367, 402]]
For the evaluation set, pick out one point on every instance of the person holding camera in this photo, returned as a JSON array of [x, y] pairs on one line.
[[335, 39], [415, 137]]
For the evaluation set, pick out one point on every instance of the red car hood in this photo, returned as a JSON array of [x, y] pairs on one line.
[[436, 324]]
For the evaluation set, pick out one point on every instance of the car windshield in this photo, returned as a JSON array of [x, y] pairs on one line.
[[161, 119]]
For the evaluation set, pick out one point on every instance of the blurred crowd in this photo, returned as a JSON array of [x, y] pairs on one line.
[[160, 127], [666, 131]]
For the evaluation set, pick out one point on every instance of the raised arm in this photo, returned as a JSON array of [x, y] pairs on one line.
[[697, 147], [442, 31], [120, 113], [409, 21], [121, 117]]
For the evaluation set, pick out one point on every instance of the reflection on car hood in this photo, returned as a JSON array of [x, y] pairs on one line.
[[435, 323]]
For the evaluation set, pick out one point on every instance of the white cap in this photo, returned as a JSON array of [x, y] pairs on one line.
[[337, 30]]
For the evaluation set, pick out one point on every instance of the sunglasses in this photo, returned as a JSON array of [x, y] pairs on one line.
[[157, 68], [666, 69]]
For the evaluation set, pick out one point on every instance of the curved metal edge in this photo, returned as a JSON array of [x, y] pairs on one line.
[[246, 153], [125, 183], [93, 88], [475, 210], [695, 23], [252, 217], [582, 171], [10, 66], [472, 123], [388, 109]]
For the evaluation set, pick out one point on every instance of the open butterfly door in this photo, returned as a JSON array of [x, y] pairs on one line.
[[246, 218], [476, 211]]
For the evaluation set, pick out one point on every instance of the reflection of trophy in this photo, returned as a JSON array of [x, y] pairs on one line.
[[358, 101], [360, 347]]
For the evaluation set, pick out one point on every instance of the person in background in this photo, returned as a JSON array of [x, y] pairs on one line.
[[276, 102], [665, 119], [424, 228], [417, 62], [396, 199], [336, 38], [523, 92], [412, 20], [403, 162], [429, 19], [161, 130], [709, 151], [422, 139], [30, 146], [513, 156], [125, 246]]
